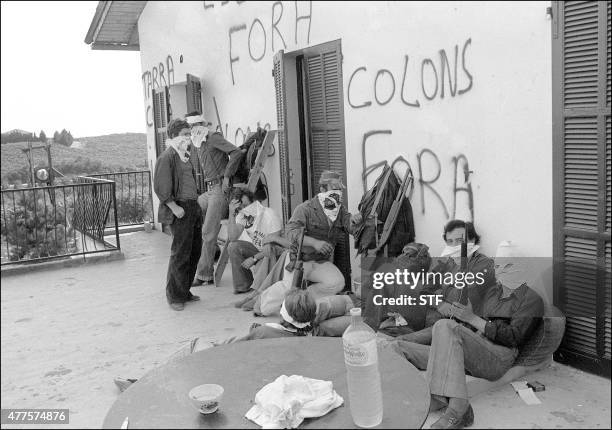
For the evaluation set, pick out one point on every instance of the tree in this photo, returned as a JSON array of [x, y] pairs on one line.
[[42, 136], [56, 137]]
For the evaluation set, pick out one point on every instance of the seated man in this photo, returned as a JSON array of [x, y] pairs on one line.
[[324, 220], [484, 343], [450, 264], [252, 230]]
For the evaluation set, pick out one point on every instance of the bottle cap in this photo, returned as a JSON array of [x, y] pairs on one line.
[[355, 312]]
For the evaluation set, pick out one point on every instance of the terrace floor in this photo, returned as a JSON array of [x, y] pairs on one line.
[[67, 332]]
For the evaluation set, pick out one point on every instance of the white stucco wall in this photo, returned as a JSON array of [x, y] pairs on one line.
[[501, 124]]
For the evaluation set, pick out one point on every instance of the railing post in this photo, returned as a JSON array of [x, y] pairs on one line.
[[115, 212]]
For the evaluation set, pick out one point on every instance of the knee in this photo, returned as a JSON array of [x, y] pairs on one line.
[[444, 326], [233, 248]]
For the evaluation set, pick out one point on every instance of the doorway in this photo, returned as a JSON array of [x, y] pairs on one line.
[[310, 114]]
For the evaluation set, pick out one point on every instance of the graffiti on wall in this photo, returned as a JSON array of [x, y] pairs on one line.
[[159, 76], [263, 36], [427, 180], [437, 78]]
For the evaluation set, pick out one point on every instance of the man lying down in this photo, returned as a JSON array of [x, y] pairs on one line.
[[301, 315]]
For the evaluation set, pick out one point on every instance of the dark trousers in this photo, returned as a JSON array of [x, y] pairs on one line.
[[239, 251], [185, 252]]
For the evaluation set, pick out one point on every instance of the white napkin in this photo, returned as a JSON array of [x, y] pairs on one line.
[[285, 402]]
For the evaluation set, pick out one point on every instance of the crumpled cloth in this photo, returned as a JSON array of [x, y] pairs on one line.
[[285, 402]]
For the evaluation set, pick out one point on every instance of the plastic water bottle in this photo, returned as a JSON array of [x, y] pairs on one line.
[[363, 377]]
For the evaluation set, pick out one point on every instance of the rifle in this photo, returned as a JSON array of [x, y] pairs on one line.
[[463, 297], [298, 270], [394, 211]]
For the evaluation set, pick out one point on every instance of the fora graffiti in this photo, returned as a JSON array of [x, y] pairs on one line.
[[427, 178], [438, 79]]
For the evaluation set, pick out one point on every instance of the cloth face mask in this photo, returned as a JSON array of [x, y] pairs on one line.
[[198, 135], [181, 146], [510, 275], [330, 202]]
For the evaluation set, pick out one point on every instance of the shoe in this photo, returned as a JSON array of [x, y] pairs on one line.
[[197, 282], [436, 404], [123, 383], [177, 306], [242, 292], [452, 420], [193, 298]]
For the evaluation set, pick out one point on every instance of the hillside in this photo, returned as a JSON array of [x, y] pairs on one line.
[[113, 152]]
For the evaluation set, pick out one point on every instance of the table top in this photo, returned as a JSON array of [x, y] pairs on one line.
[[160, 399]]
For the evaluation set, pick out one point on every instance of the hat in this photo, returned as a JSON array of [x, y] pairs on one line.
[[328, 176], [196, 119]]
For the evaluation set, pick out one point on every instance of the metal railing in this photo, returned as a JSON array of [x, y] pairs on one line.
[[42, 223], [133, 195]]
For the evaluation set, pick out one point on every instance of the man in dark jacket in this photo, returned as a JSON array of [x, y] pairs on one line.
[[218, 161], [175, 185]]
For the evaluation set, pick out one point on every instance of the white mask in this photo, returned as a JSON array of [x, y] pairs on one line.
[[181, 146], [510, 275], [330, 202], [198, 135], [455, 251]]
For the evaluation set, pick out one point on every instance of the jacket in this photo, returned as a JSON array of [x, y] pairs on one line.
[[166, 183], [311, 216]]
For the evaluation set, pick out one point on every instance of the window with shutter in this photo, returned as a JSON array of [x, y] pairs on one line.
[[160, 119], [281, 119], [194, 94], [581, 152]]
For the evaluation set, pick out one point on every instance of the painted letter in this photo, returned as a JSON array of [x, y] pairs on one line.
[[275, 23], [444, 65], [348, 91], [469, 87], [264, 39], [298, 18], [234, 29], [416, 102], [379, 74], [423, 183], [428, 61]]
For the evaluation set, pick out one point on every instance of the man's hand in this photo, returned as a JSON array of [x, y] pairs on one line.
[[226, 186], [248, 263], [233, 205], [462, 312], [323, 247], [445, 309], [356, 218], [178, 211]]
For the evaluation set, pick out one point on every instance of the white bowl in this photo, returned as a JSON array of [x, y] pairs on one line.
[[206, 398]]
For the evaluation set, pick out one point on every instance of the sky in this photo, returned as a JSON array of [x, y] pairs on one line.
[[52, 80]]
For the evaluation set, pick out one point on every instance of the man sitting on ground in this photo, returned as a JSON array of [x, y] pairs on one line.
[[253, 229], [483, 342], [325, 221]]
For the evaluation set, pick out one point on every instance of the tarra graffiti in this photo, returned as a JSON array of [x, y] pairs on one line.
[[257, 39], [159, 76], [428, 72], [461, 175]]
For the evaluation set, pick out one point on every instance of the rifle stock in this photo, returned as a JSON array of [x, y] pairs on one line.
[[394, 211], [298, 270]]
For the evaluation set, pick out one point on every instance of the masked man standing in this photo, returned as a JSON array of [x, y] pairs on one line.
[[175, 185], [325, 220], [217, 162]]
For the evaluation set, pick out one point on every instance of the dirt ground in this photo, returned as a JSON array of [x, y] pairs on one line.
[[66, 333]]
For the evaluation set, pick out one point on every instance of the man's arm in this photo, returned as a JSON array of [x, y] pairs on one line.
[[163, 185], [219, 142]]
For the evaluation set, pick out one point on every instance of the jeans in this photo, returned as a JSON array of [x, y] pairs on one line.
[[184, 253], [454, 350], [214, 208], [239, 251], [326, 278]]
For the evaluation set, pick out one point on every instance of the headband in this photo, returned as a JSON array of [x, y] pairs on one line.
[[290, 320]]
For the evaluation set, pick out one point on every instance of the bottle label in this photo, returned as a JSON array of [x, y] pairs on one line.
[[362, 354]]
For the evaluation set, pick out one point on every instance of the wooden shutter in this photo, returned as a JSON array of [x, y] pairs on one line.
[[581, 151], [160, 119], [325, 113], [194, 94], [281, 120]]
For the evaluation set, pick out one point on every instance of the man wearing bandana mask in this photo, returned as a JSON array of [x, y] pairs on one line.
[[175, 185], [325, 221], [216, 162]]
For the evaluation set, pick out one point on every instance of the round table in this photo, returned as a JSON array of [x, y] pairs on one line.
[[160, 399]]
